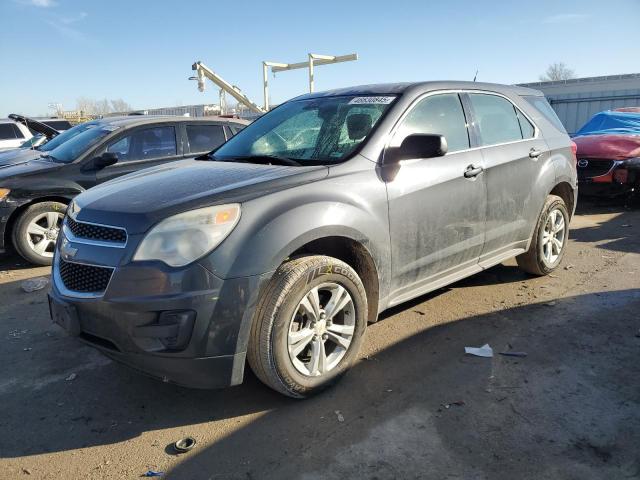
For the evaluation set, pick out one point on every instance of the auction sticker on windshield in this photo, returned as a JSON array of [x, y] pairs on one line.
[[371, 100]]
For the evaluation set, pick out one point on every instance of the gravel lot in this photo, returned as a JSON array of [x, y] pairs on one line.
[[413, 407]]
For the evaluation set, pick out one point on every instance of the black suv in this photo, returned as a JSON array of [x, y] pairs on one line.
[[281, 245], [37, 185]]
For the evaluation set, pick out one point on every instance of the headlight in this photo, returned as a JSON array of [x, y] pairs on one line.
[[185, 237], [4, 193]]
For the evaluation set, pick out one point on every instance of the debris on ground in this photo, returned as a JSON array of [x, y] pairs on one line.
[[184, 444], [483, 351], [568, 267], [152, 473], [624, 225], [26, 471], [513, 354], [33, 284], [340, 416], [458, 403], [551, 304], [17, 333], [71, 377]]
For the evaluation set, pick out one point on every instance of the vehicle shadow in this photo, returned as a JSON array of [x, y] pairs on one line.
[[278, 437], [422, 409], [12, 261], [619, 233]]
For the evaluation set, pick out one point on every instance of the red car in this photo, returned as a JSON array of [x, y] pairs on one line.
[[608, 153]]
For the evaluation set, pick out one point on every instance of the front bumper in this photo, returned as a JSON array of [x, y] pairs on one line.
[[202, 345], [5, 213], [622, 178]]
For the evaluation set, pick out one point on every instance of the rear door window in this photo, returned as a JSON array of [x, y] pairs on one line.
[[145, 144], [440, 114], [7, 132], [204, 138], [496, 119]]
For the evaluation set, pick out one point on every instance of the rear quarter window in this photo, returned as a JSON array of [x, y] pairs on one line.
[[541, 104]]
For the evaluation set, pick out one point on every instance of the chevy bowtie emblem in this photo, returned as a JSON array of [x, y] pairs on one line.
[[582, 163], [66, 250]]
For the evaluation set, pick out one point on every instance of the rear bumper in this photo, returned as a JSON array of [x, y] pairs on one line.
[[184, 326]]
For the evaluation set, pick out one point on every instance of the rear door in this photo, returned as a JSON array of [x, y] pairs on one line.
[[436, 213], [513, 151], [141, 147], [203, 137]]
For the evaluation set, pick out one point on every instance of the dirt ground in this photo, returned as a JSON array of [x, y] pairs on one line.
[[414, 406]]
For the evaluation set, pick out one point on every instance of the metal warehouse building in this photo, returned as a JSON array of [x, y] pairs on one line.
[[577, 100]]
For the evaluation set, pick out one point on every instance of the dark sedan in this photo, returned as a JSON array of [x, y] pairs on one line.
[[36, 186]]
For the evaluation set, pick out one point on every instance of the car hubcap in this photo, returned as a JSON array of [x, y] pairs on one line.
[[321, 329], [42, 233], [553, 236]]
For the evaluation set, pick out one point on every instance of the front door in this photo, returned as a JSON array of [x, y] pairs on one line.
[[144, 147], [437, 213]]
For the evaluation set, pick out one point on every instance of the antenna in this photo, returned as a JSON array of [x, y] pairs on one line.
[[475, 76]]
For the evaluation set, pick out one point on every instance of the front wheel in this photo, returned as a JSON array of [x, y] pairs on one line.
[[36, 231], [308, 326], [549, 240]]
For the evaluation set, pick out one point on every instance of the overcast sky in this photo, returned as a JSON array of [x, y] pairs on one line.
[[142, 51]]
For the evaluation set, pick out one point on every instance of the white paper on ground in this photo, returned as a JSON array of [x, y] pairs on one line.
[[483, 351]]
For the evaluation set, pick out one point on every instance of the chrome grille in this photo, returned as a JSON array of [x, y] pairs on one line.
[[78, 277], [594, 167], [96, 232]]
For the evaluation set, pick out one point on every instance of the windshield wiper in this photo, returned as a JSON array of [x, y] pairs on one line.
[[264, 159], [49, 157]]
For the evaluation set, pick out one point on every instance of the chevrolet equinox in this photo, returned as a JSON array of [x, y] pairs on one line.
[[280, 246]]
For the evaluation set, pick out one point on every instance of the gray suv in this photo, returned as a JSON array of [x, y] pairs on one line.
[[281, 245]]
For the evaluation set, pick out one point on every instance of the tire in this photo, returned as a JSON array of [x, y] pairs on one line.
[[537, 259], [283, 315], [35, 232]]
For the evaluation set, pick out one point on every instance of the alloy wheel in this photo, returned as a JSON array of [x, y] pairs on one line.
[[42, 233], [553, 236], [321, 329]]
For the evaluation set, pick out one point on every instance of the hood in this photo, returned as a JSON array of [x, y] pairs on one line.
[[612, 147], [35, 126], [17, 155], [140, 200], [18, 169]]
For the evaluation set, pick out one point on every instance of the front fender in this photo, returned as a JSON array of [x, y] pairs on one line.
[[263, 246]]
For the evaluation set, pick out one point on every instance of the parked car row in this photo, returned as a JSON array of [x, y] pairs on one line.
[[18, 131], [277, 248], [36, 185]]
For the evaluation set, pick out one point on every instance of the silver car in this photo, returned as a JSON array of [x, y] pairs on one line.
[[276, 249]]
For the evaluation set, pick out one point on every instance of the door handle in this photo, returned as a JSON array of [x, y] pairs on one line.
[[472, 171], [533, 153]]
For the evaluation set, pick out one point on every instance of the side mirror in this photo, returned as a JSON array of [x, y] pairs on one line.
[[418, 146], [104, 160]]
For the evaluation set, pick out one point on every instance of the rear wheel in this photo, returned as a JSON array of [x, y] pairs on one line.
[[36, 231], [549, 239], [308, 326]]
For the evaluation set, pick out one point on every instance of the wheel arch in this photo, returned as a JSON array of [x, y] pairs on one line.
[[354, 254], [566, 193]]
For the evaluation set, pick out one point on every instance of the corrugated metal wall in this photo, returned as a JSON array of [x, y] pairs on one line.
[[577, 100], [575, 109]]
